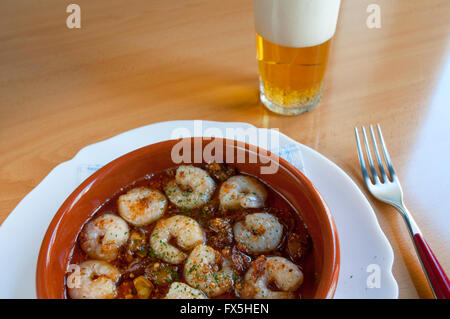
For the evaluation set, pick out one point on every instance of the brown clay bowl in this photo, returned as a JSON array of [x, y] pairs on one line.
[[288, 181]]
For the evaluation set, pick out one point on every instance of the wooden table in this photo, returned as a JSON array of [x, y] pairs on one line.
[[138, 62]]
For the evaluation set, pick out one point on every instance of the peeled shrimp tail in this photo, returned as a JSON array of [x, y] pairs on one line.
[[191, 188], [278, 270], [185, 230], [258, 232], [97, 280], [102, 237], [208, 270], [242, 191]]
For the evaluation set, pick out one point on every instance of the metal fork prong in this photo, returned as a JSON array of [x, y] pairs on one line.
[[369, 157], [362, 163], [377, 154], [386, 154]]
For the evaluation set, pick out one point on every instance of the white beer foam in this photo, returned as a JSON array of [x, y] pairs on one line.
[[296, 23]]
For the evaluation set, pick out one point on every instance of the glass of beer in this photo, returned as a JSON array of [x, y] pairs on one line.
[[293, 39]]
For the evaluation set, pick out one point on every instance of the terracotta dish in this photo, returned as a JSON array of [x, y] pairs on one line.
[[61, 236]]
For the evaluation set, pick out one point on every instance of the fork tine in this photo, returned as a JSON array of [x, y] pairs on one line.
[[369, 156], [377, 154], [386, 154], [361, 158]]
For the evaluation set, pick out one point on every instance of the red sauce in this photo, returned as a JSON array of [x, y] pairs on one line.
[[293, 229]]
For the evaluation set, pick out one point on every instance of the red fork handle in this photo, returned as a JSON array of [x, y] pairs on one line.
[[436, 275]]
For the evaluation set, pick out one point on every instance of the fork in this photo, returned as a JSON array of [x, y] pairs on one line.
[[386, 187]]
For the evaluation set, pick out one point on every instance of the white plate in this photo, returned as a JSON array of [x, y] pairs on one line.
[[363, 245]]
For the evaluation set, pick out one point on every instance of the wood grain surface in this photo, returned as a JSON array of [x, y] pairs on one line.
[[138, 62]]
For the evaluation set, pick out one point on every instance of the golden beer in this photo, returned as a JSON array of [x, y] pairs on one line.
[[291, 78], [293, 40]]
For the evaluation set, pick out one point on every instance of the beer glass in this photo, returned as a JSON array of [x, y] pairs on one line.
[[293, 39]]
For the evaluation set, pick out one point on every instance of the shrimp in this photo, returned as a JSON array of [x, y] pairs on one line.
[[96, 280], [142, 206], [285, 275], [191, 188], [187, 232], [242, 191], [258, 232], [102, 237], [208, 270], [179, 290]]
